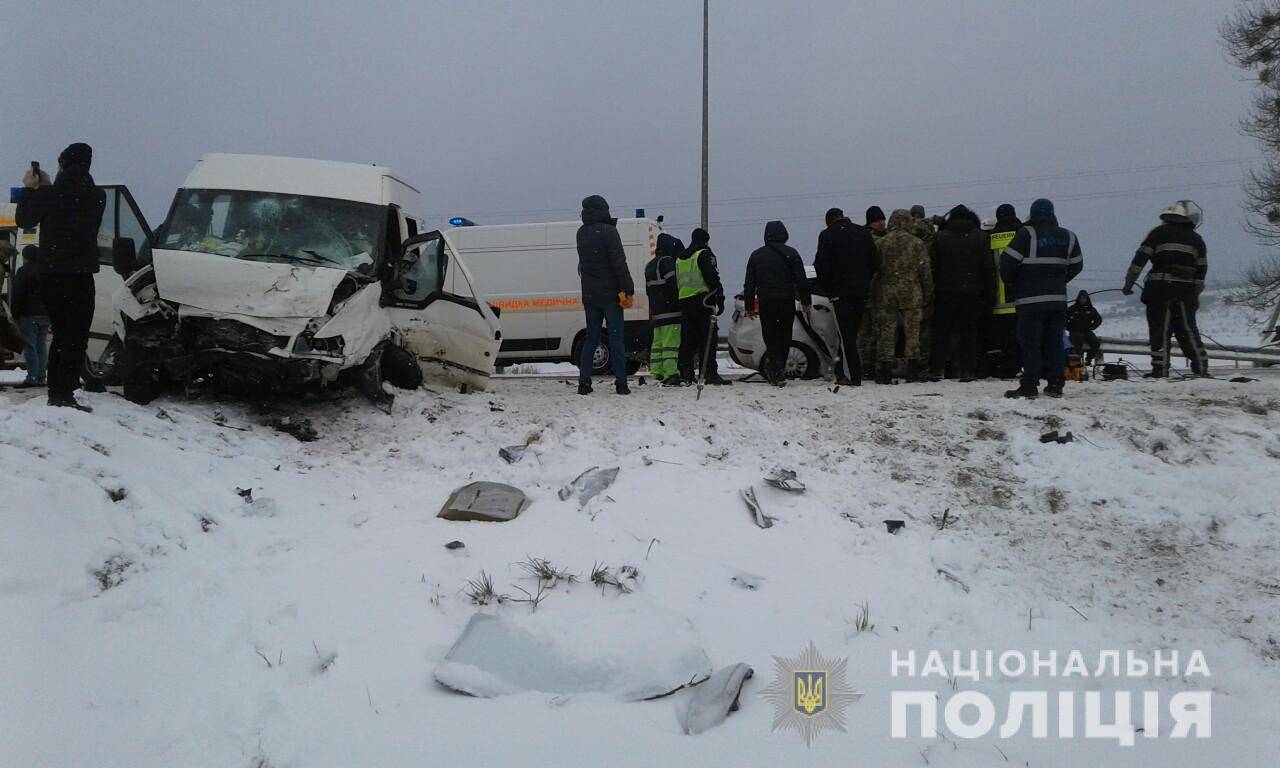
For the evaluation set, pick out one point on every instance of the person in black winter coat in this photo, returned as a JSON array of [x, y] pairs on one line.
[[845, 264], [701, 299], [776, 280], [1082, 321], [607, 289], [32, 318], [963, 284], [69, 214]]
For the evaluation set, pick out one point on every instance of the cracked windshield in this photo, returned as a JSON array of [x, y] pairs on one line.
[[261, 226]]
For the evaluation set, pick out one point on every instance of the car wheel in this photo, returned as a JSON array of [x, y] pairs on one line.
[[802, 362], [140, 374], [601, 364], [105, 371]]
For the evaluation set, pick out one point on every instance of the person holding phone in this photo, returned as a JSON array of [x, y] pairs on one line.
[[68, 211]]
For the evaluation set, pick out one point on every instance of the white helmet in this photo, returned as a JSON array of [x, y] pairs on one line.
[[1184, 211]]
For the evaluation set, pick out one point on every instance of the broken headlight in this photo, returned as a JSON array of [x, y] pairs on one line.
[[328, 346]]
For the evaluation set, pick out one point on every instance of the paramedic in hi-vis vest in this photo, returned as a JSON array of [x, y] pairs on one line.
[[664, 310], [701, 299], [1000, 339]]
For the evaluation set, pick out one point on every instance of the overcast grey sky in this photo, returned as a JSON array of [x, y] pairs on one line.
[[514, 111]]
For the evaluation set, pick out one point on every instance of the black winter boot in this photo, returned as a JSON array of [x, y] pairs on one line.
[[884, 373]]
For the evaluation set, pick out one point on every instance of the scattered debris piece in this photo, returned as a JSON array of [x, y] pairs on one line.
[[1241, 380], [712, 701], [163, 414], [747, 581], [207, 524], [455, 544], [949, 576], [650, 462], [245, 493], [302, 429], [512, 454], [496, 407], [719, 455], [893, 526], [785, 480], [1053, 437], [945, 519], [118, 494], [753, 504], [589, 484], [637, 655], [484, 502]]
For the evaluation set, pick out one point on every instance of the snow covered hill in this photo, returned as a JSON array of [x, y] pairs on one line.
[[155, 616]]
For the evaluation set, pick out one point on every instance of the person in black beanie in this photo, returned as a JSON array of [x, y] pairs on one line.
[[69, 213], [876, 221]]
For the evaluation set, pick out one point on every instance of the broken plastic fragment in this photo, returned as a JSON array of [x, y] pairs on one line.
[[712, 701], [632, 653], [512, 454], [785, 480], [589, 484], [484, 502], [454, 545], [761, 519], [893, 526]]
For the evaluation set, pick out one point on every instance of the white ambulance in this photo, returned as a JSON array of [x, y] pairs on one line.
[[530, 272]]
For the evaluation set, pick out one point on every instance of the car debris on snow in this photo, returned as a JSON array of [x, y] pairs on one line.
[[1053, 437], [746, 581], [589, 484], [634, 654], [512, 454], [484, 502], [300, 428], [757, 514], [785, 480], [711, 702], [455, 545], [893, 526]]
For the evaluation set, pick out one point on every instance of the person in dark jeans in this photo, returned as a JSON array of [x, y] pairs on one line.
[[32, 317], [775, 280], [701, 297], [846, 262], [1036, 267], [607, 289], [69, 213]]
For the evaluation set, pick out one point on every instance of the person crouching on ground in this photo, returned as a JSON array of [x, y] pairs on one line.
[[1082, 321]]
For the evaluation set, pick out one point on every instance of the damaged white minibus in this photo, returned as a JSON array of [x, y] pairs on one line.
[[284, 274]]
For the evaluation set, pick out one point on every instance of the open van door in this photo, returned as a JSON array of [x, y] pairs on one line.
[[445, 322], [121, 220]]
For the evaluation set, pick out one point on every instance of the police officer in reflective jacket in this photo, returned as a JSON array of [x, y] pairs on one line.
[[1036, 268], [701, 299], [1179, 263]]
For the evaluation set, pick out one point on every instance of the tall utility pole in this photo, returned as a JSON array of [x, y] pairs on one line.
[[706, 16]]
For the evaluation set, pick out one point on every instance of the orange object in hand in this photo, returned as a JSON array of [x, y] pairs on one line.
[[625, 301]]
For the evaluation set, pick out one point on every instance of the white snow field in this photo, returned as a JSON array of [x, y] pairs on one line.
[[151, 616]]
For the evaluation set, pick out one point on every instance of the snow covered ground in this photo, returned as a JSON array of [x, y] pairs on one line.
[[153, 616]]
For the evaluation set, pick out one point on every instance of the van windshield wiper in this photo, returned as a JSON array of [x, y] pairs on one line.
[[304, 255]]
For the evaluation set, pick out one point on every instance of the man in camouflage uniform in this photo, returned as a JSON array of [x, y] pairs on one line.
[[922, 228], [905, 283], [867, 338]]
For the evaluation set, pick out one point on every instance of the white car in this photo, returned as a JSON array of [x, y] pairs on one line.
[[280, 274], [814, 343]]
